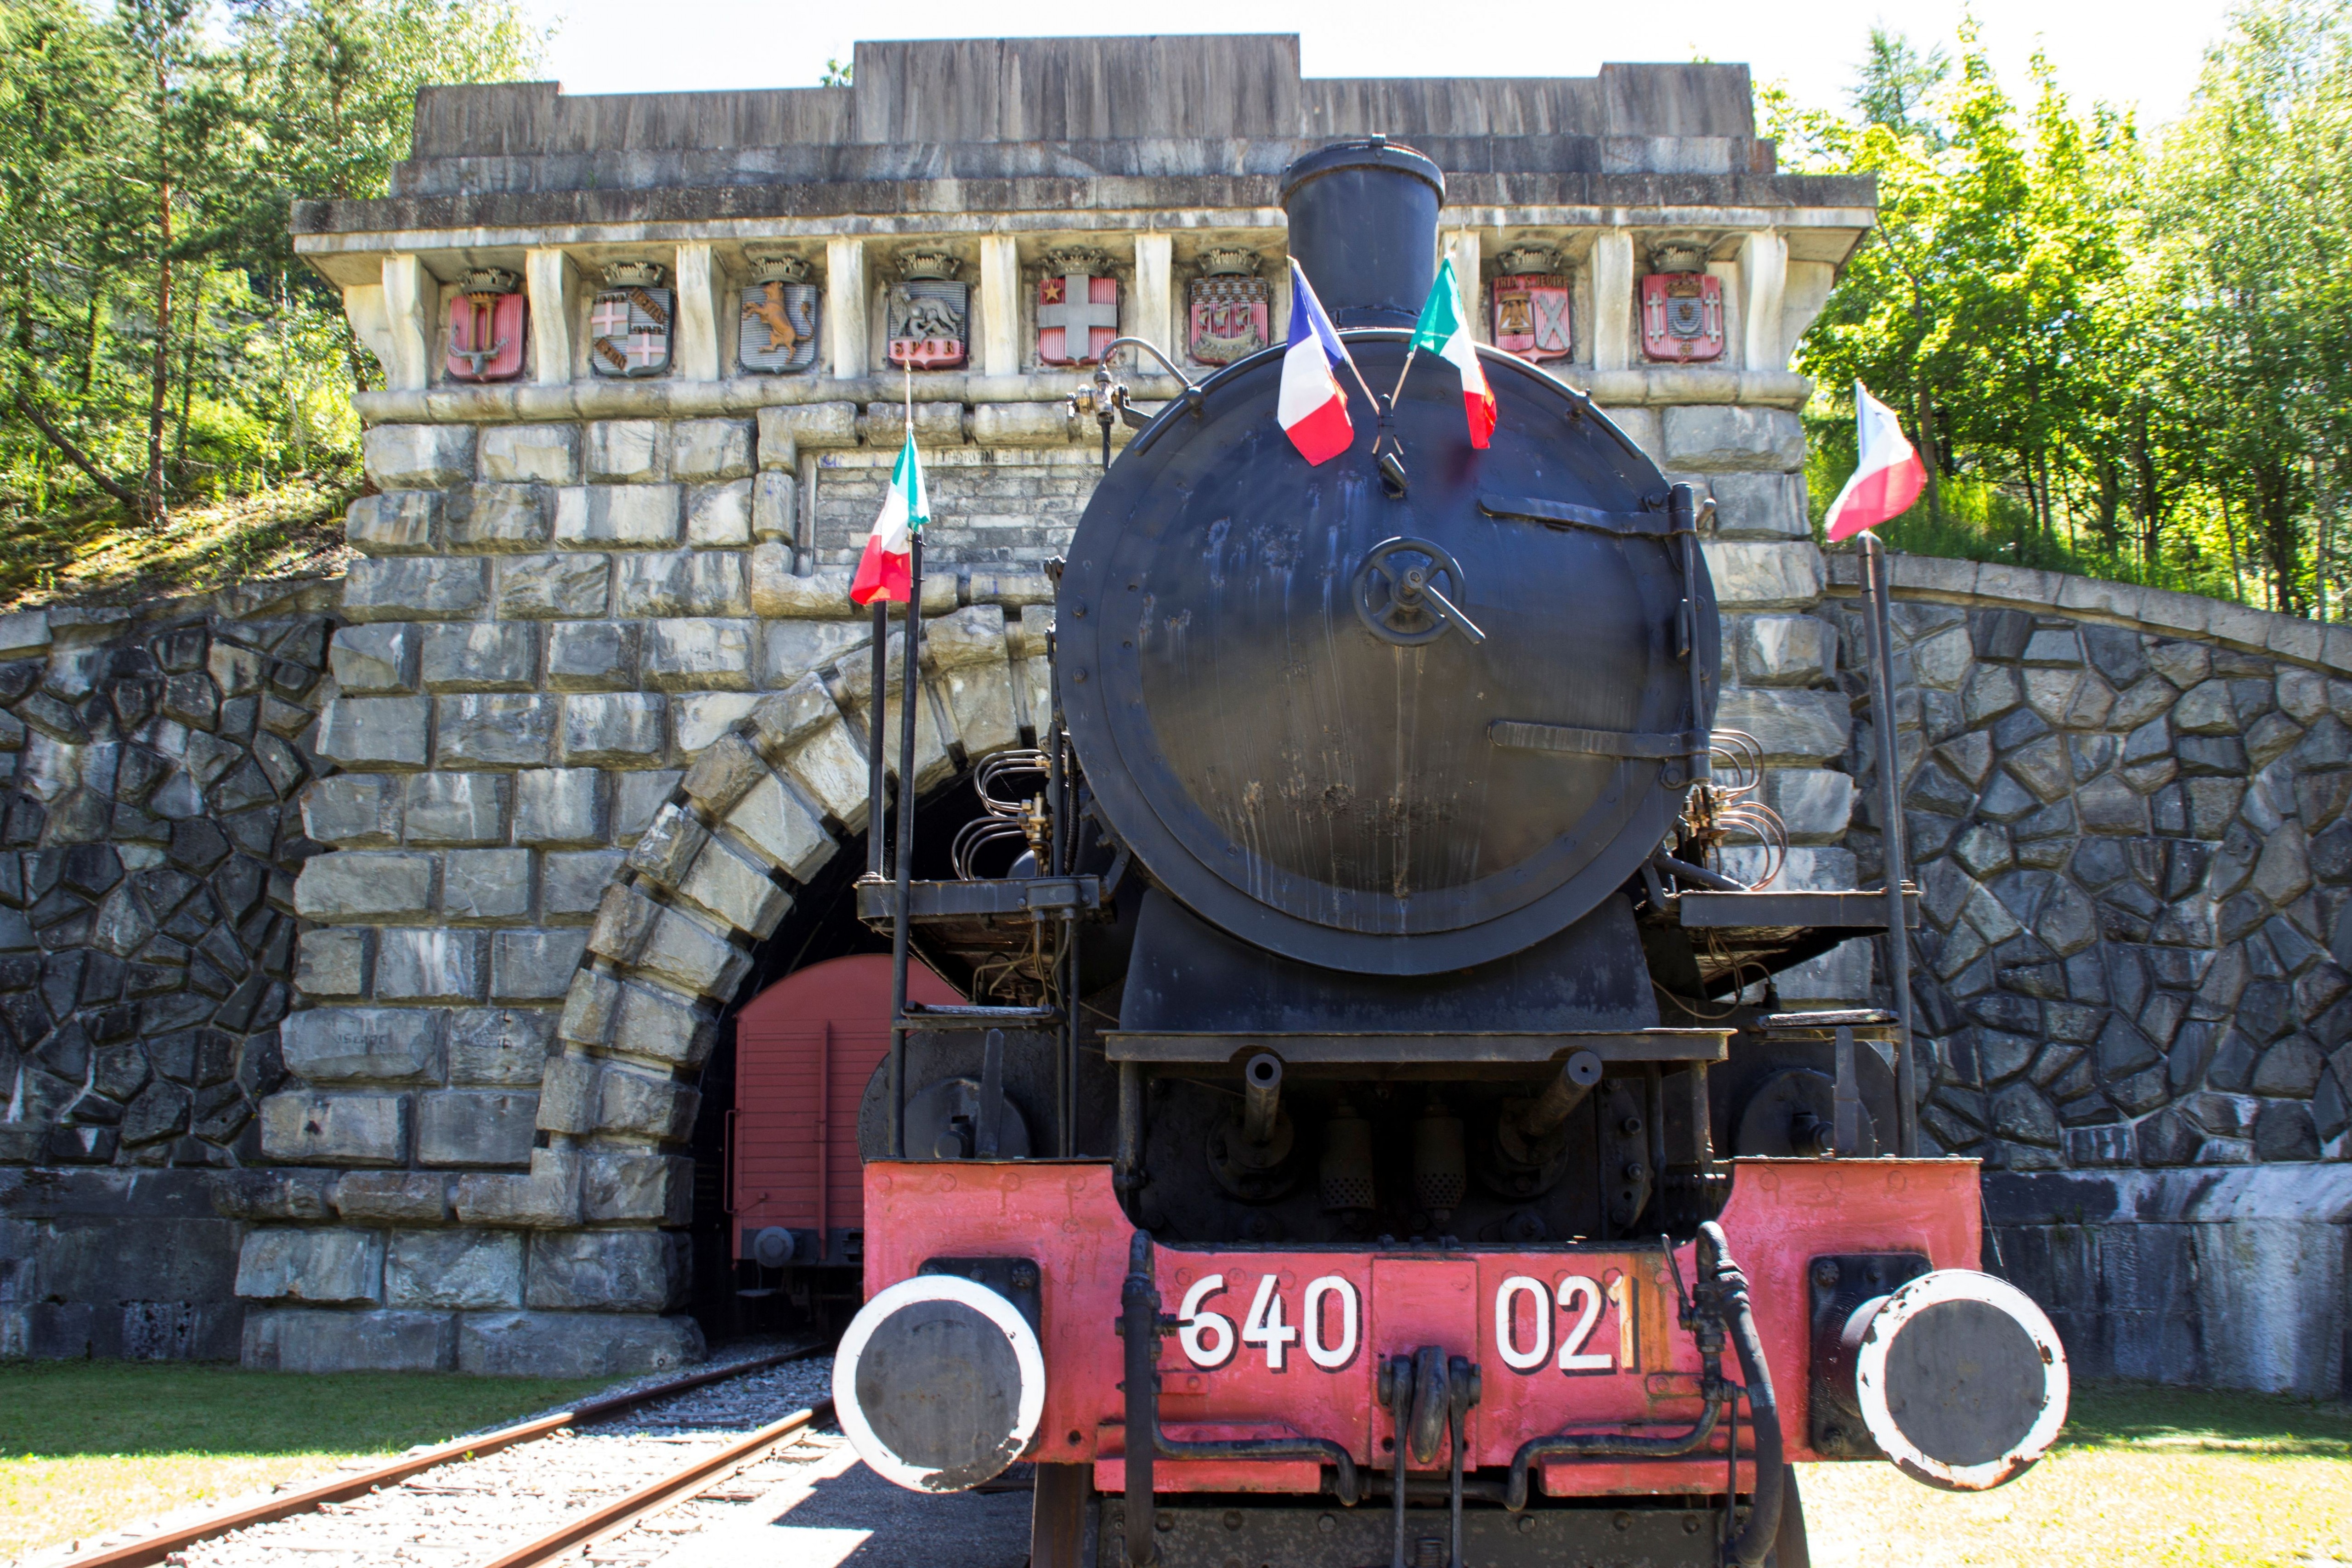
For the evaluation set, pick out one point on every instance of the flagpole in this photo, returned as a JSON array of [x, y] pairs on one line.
[[1898, 936], [904, 857]]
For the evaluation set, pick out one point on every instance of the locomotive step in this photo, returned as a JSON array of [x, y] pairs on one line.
[[1773, 909], [877, 902]]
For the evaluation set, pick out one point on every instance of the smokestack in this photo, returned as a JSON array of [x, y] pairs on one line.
[[1363, 227]]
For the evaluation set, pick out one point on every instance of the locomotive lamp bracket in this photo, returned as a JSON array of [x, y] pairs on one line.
[[1835, 1285]]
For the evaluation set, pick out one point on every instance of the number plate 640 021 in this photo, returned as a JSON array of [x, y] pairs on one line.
[[1560, 1320]]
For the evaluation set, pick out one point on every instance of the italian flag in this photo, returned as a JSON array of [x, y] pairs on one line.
[[1443, 332], [886, 571], [1887, 480]]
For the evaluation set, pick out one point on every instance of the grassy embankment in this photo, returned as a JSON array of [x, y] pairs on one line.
[[89, 1447], [96, 555]]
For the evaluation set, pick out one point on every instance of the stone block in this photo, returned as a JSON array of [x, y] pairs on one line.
[[321, 1264], [363, 1045], [775, 505], [353, 811], [549, 1196], [596, 517], [375, 732], [777, 825], [1021, 424], [701, 716], [553, 587], [698, 654], [1640, 425], [274, 1194], [790, 650], [491, 730], [1754, 576], [486, 884], [718, 516], [783, 431], [410, 1197], [464, 1270], [418, 456], [24, 632], [309, 1127], [607, 1272], [544, 453], [310, 1339], [620, 728], [534, 965], [429, 965], [357, 884], [937, 425], [574, 1344], [776, 594], [1784, 650], [567, 1095], [657, 1189], [710, 449], [502, 518], [380, 658], [1715, 437], [680, 582], [1761, 506], [723, 775], [499, 1047], [332, 962], [735, 890], [1814, 804], [477, 1128], [394, 522], [415, 588], [1841, 974], [561, 807], [571, 885], [592, 656], [637, 797], [1789, 726], [627, 451], [643, 1106], [456, 808]]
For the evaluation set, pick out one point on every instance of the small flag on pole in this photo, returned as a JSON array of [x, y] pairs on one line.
[[1443, 332], [1313, 408], [1886, 480], [886, 571]]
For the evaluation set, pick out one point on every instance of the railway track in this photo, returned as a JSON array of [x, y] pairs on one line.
[[614, 1482]]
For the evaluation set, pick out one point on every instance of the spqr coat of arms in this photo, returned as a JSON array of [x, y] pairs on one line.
[[1229, 302], [929, 313], [1077, 307], [1682, 307], [777, 332], [488, 317], [1530, 302], [629, 325]]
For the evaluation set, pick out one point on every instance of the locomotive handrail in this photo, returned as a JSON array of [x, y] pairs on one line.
[[1527, 735], [1568, 514]]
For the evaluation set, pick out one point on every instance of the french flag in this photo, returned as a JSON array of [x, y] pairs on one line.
[[1313, 409]]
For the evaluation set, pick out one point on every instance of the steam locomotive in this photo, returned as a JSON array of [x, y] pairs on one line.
[[1355, 1138]]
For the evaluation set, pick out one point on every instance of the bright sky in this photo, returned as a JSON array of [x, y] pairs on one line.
[[2145, 52]]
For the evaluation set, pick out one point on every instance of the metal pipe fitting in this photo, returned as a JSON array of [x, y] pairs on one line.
[[1260, 1097]]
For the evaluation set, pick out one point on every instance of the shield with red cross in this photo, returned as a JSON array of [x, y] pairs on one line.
[[629, 324], [1078, 308]]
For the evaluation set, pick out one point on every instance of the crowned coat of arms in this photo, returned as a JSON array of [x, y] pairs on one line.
[[488, 317], [1229, 303], [1682, 307], [1530, 300], [629, 325], [928, 312], [777, 330], [1077, 307]]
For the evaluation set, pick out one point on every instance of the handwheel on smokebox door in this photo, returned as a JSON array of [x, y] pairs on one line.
[[1400, 599]]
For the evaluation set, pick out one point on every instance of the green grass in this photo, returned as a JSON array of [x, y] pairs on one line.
[[87, 1446], [2166, 1478], [97, 553]]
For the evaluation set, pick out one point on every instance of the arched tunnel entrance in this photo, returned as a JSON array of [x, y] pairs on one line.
[[734, 1292]]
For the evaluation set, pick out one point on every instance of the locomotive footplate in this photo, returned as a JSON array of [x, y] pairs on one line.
[[1212, 1535], [1704, 938]]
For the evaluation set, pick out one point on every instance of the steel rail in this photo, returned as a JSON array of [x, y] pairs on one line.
[[696, 1476], [154, 1549]]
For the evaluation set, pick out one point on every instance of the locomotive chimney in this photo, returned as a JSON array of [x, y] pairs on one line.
[[1363, 227]]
